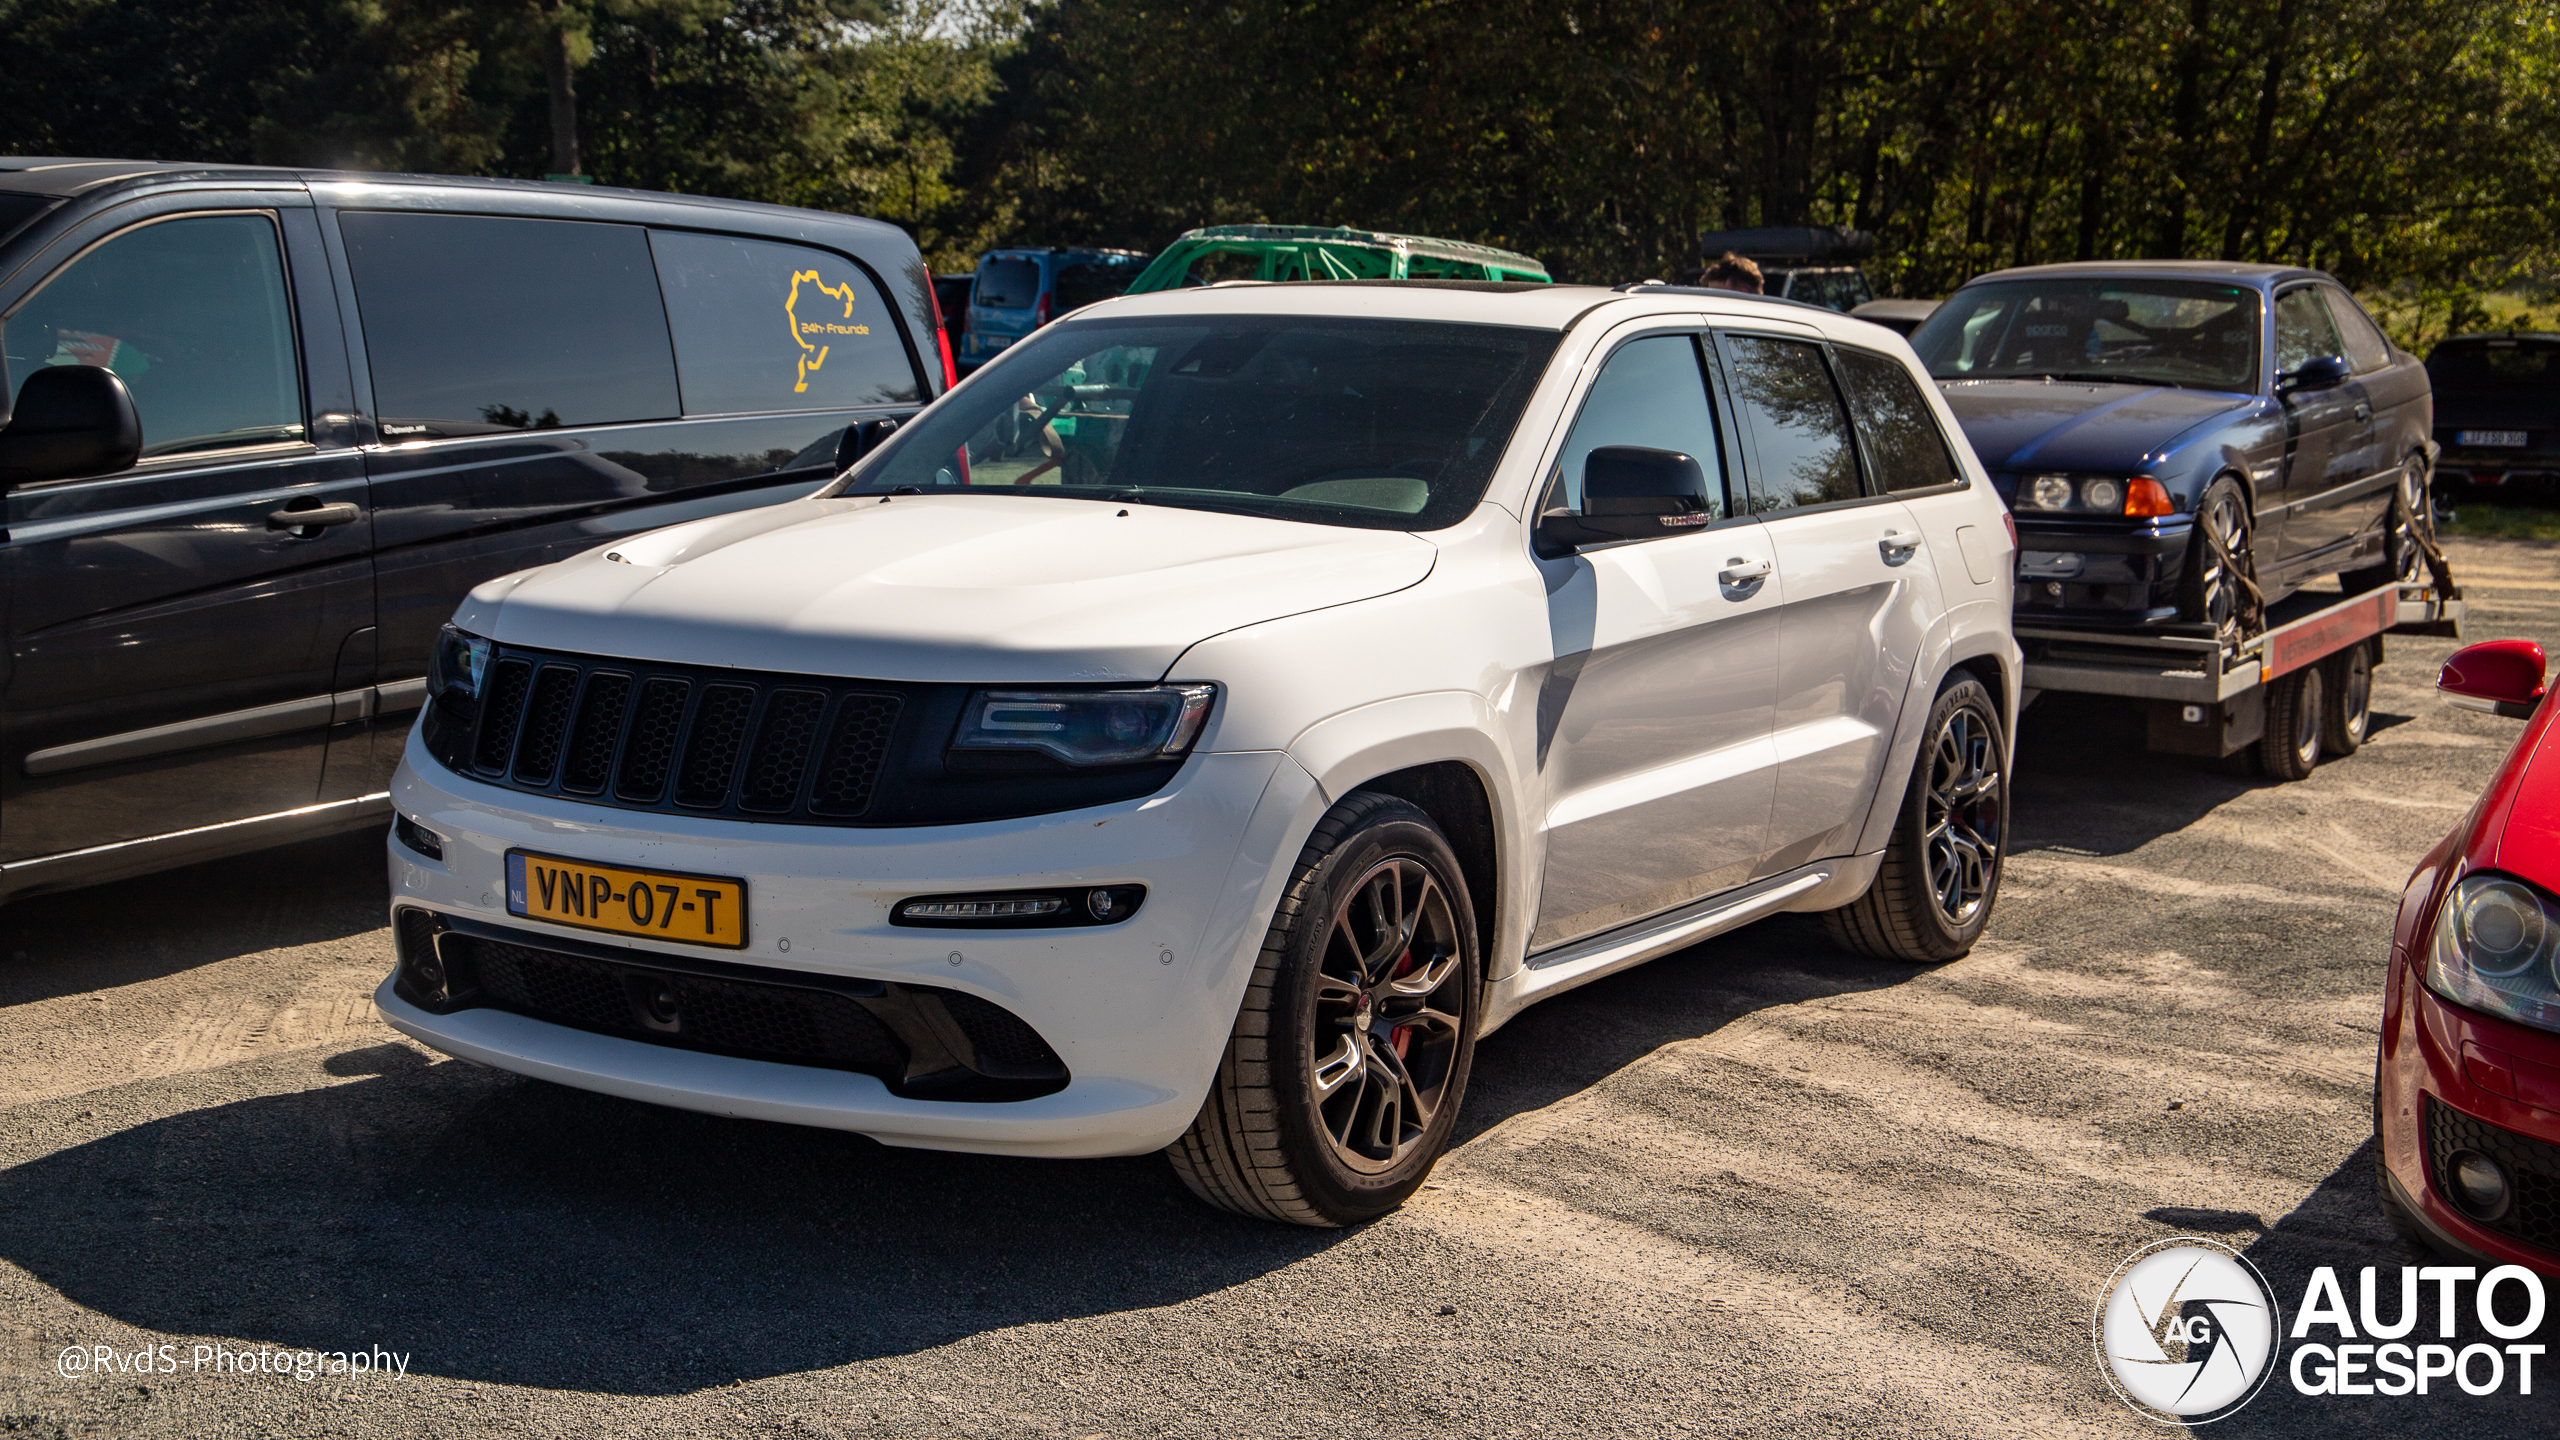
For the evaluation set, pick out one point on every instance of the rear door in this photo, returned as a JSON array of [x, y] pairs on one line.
[[543, 386], [175, 636], [1861, 581], [1654, 718]]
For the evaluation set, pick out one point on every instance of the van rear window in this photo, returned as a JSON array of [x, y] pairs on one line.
[[2512, 365], [1008, 284], [765, 326]]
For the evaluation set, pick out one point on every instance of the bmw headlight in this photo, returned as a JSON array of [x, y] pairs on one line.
[[1088, 727], [2496, 949]]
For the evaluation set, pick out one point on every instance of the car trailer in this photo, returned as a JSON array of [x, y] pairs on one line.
[[2300, 689]]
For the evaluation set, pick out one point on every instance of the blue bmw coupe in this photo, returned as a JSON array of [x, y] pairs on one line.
[[2183, 442]]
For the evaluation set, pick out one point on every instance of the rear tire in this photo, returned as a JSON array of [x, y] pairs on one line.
[[2404, 553], [2346, 712], [1341, 1081], [1941, 872], [2290, 748]]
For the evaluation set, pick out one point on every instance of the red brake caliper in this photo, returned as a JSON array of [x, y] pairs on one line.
[[1401, 1037]]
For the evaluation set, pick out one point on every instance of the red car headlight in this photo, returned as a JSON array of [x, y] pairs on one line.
[[2496, 949]]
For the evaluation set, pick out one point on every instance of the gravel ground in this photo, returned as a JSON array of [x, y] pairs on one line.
[[1754, 1188]]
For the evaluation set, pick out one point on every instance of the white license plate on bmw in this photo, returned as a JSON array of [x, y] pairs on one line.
[[2489, 439]]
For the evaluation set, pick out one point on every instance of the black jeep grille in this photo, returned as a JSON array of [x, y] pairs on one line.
[[681, 739], [2532, 1166], [924, 1041]]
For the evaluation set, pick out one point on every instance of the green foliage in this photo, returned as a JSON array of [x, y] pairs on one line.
[[2505, 522], [2410, 146]]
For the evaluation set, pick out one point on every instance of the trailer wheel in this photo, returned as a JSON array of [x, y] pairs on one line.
[[2295, 704], [2346, 711]]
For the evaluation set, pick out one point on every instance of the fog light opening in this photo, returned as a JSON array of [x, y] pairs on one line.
[[2479, 1185], [417, 837]]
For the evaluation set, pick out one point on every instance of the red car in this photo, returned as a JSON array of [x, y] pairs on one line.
[[2466, 1091]]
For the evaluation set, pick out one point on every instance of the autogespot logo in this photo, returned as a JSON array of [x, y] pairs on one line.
[[2187, 1331]]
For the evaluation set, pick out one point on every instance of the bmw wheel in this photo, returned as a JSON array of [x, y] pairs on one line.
[[1341, 1082], [2220, 585], [2407, 530], [1941, 871]]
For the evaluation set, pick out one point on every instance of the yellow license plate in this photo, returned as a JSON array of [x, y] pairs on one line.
[[663, 905]]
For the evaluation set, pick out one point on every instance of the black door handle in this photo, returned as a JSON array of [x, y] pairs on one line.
[[316, 518]]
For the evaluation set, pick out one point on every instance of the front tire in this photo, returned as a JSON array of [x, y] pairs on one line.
[[1941, 871], [1341, 1081], [2220, 584]]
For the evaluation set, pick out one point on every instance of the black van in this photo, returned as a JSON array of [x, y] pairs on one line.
[[269, 426]]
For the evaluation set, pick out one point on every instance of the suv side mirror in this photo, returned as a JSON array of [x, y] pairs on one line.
[[1629, 492], [860, 439], [71, 420], [2321, 372], [2502, 677]]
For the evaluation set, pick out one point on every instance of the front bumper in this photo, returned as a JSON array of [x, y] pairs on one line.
[[2453, 1071], [2074, 575], [1139, 1011]]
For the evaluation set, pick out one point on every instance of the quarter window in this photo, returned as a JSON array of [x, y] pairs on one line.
[[191, 314], [1905, 449], [1799, 429], [2303, 331], [1651, 393], [2365, 345], [478, 324], [761, 326]]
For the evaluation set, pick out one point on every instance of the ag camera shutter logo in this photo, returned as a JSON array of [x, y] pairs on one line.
[[2186, 1331]]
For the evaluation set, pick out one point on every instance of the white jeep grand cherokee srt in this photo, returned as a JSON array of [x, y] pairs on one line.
[[1204, 725]]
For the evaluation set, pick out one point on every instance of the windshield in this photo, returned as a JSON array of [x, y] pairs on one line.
[[1387, 424], [2138, 332], [2510, 366]]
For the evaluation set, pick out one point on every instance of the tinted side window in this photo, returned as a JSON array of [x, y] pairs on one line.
[[2303, 331], [2365, 345], [192, 315], [762, 326], [1798, 426], [1008, 284], [1651, 393], [478, 323], [1905, 449], [1086, 281]]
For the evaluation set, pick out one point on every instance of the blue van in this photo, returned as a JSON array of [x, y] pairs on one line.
[[1018, 291]]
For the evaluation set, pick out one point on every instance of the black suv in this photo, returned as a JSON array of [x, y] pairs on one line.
[[270, 426]]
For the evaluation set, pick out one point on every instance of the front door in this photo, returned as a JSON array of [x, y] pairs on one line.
[[1653, 722], [2324, 499], [1861, 586], [174, 633]]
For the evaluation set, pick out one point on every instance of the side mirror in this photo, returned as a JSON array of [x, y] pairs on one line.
[[860, 439], [1629, 492], [2323, 372], [71, 420], [2501, 677]]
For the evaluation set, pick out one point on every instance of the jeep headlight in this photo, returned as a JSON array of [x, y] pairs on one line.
[[1088, 727], [2496, 948], [460, 662]]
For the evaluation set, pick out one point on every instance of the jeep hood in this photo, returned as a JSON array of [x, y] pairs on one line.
[[973, 588], [2018, 425]]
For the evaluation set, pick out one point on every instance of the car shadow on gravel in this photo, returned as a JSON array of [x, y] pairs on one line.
[[333, 888], [505, 1230], [2086, 785], [2340, 1225]]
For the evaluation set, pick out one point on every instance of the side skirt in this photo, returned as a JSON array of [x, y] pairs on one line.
[[127, 858]]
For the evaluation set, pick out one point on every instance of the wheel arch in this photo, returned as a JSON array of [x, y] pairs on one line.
[[1453, 794]]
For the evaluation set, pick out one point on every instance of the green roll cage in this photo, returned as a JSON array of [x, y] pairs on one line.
[[1306, 252]]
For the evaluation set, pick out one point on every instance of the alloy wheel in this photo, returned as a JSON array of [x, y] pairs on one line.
[[1962, 819], [1386, 1037], [2227, 561], [2415, 510]]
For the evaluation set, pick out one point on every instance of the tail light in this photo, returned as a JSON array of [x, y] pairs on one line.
[[950, 372], [1040, 311]]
